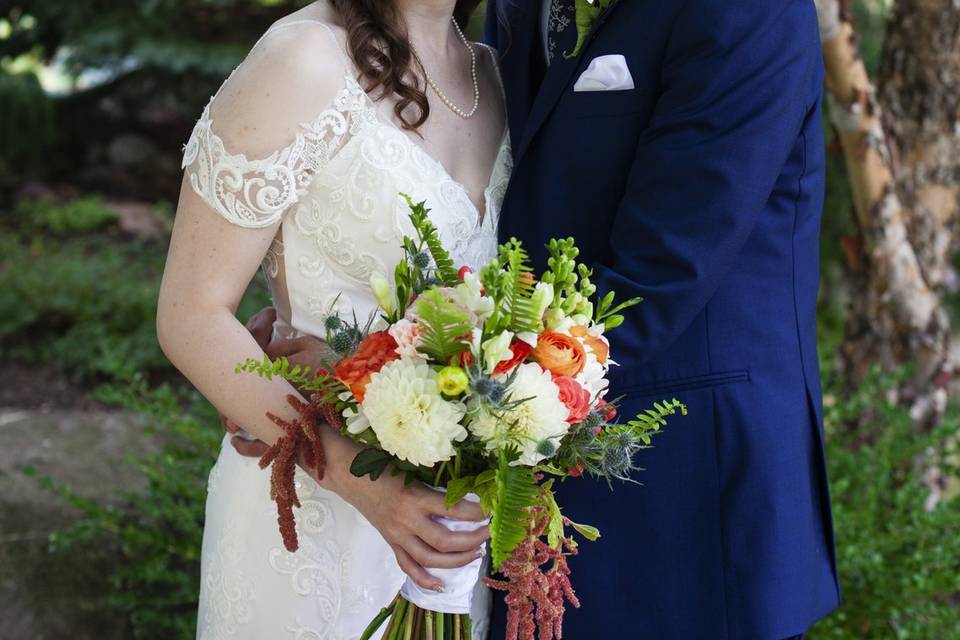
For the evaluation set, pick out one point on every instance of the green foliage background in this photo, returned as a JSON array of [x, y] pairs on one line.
[[85, 305]]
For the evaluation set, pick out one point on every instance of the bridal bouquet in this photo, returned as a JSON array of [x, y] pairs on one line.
[[489, 386]]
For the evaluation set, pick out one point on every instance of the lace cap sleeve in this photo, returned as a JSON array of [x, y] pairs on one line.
[[259, 140]]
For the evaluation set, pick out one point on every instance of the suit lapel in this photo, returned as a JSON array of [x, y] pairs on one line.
[[522, 64], [558, 78]]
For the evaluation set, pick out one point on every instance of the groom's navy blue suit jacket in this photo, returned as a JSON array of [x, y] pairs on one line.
[[701, 191]]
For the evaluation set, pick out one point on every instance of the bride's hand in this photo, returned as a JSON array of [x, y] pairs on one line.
[[403, 516]]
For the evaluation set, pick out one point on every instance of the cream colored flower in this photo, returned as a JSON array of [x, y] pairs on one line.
[[536, 426], [383, 292], [469, 295], [409, 416], [496, 350], [543, 296]]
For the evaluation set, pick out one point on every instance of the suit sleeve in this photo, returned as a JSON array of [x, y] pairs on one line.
[[738, 80]]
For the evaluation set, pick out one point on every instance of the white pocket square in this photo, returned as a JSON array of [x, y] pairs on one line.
[[606, 73]]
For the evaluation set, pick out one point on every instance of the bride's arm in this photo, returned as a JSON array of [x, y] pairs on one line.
[[212, 258]]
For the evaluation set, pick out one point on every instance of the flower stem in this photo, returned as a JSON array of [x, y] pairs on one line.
[[378, 621], [428, 624], [456, 628], [408, 626], [396, 622], [436, 481]]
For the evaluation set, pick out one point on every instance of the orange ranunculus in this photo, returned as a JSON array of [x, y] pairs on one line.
[[574, 396], [560, 354], [376, 350], [578, 331], [598, 347], [521, 351]]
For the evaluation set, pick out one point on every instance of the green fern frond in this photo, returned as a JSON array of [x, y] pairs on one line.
[[648, 423], [301, 377], [443, 327], [519, 288], [516, 492], [446, 270]]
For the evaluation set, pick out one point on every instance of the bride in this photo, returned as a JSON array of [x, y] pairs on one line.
[[296, 164]]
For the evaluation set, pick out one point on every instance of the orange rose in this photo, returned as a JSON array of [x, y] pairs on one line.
[[560, 354], [376, 350]]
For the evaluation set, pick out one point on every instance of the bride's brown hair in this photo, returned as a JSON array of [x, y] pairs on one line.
[[379, 46]]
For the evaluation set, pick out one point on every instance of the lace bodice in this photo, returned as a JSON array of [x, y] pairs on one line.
[[335, 190]]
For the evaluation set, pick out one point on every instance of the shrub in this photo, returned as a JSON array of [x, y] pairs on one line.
[[149, 541], [899, 563], [81, 215], [83, 300]]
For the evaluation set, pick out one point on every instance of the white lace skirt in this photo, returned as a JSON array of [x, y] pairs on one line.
[[252, 588]]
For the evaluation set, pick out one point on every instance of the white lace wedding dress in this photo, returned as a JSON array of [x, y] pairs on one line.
[[334, 185]]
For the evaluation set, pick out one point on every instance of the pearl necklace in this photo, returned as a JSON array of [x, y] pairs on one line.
[[473, 74]]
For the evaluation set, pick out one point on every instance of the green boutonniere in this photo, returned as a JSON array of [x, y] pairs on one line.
[[588, 12]]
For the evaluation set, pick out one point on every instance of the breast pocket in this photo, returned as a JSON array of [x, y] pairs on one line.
[[602, 104]]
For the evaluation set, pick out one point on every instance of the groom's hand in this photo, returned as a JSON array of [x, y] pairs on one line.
[[305, 351]]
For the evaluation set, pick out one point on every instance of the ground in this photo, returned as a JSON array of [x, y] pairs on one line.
[[55, 427]]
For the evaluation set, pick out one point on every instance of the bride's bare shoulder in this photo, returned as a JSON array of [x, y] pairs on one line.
[[294, 71], [309, 40], [321, 14]]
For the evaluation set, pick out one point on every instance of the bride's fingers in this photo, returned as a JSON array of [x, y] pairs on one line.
[[463, 510], [446, 541], [434, 503], [416, 572], [430, 558]]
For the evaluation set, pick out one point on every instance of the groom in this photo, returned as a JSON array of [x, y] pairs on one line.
[[682, 148]]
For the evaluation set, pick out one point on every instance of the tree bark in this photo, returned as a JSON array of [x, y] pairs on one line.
[[899, 268], [919, 82]]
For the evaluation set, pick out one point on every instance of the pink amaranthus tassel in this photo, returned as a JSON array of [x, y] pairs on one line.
[[537, 582]]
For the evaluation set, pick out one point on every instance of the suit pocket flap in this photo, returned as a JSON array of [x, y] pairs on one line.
[[683, 384]]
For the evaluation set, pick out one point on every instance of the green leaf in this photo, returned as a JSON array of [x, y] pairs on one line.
[[590, 533], [521, 287], [443, 327], [555, 528], [487, 476], [458, 488], [370, 462], [446, 270], [516, 492], [587, 13]]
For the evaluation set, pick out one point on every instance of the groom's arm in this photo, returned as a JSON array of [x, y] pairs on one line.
[[738, 80]]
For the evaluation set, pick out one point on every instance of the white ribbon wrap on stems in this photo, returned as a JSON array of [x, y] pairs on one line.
[[459, 584]]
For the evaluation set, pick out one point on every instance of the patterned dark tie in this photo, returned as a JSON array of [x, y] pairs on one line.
[[561, 28]]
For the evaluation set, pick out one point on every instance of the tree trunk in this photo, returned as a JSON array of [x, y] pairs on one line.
[[897, 316], [919, 81]]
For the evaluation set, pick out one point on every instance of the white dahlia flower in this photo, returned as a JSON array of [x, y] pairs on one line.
[[536, 426], [409, 416]]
